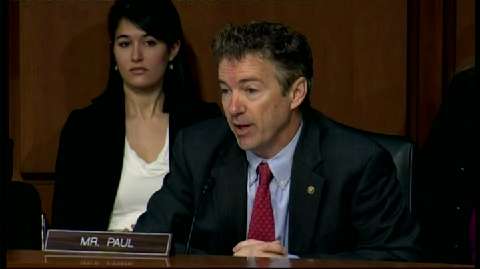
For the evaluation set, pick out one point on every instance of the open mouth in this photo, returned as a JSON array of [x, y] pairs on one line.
[[241, 129]]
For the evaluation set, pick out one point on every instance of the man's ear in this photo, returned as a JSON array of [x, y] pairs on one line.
[[174, 50], [298, 92]]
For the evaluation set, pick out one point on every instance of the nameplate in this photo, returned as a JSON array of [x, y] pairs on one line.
[[128, 243]]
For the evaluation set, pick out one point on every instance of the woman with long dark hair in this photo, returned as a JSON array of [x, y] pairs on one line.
[[114, 153]]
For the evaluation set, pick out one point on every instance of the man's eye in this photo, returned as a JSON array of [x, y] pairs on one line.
[[251, 90], [224, 91]]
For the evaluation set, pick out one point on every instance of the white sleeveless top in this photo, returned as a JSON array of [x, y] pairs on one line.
[[138, 182]]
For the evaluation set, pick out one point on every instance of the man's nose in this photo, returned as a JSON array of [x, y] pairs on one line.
[[235, 105]]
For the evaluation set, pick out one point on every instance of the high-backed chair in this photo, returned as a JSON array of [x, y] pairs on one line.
[[23, 214], [403, 154]]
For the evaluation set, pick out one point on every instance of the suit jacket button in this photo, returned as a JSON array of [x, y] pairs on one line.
[[310, 190]]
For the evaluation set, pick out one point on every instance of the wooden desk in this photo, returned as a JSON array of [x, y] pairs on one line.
[[37, 259]]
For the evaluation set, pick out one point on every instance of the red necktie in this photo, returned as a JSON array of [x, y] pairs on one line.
[[262, 225]]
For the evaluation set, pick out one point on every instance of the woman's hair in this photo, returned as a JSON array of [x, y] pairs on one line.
[[160, 19]]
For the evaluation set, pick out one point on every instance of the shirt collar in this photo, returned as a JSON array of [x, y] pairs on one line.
[[280, 164]]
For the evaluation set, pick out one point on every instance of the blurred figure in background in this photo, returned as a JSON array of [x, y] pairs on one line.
[[447, 171]]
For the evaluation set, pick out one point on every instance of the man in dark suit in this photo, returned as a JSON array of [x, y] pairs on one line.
[[277, 178]]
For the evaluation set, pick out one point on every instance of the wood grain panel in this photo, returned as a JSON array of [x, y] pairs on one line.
[[465, 34], [359, 49], [433, 58], [426, 33], [62, 61], [359, 52]]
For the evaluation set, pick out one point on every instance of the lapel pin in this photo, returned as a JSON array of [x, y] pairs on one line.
[[310, 190]]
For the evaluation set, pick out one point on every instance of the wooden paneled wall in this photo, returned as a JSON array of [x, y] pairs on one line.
[[441, 40], [359, 49], [379, 64], [465, 34]]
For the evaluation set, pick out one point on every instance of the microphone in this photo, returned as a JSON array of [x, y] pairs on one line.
[[205, 189]]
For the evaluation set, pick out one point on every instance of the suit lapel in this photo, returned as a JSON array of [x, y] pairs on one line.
[[306, 189], [114, 146], [230, 176]]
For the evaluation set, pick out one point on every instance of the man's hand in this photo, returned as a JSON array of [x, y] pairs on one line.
[[256, 248]]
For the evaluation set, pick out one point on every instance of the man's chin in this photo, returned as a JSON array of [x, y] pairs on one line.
[[244, 144]]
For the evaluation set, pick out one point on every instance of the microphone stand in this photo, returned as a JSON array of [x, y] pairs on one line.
[[206, 187]]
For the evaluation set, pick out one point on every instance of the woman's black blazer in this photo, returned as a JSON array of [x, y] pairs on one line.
[[90, 158]]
